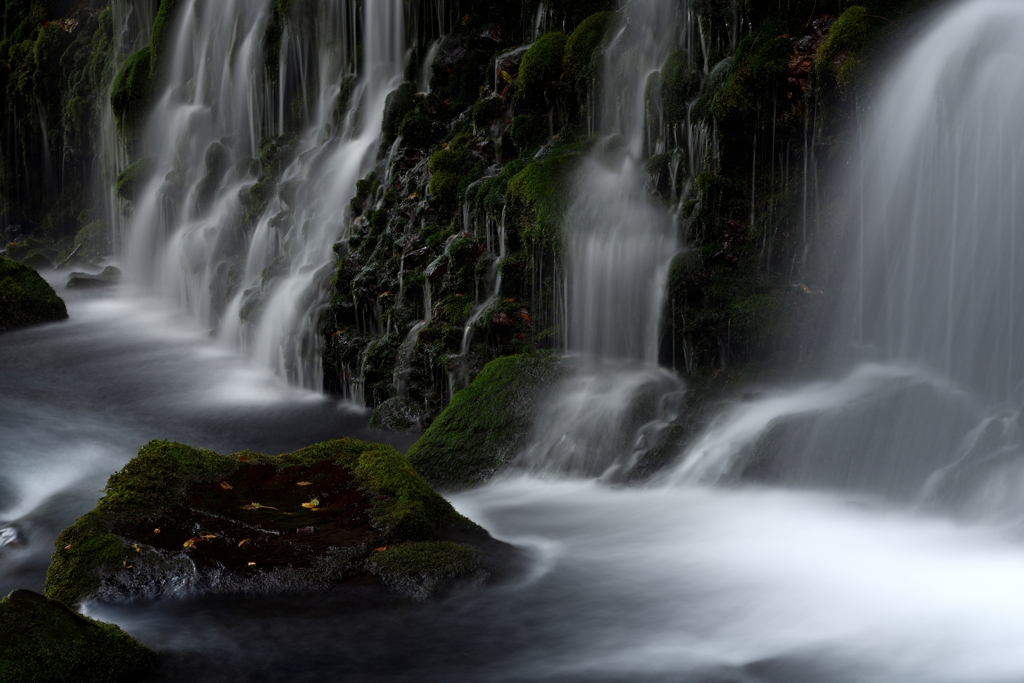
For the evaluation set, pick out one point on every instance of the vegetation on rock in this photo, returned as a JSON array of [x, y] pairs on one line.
[[180, 517], [483, 427], [25, 297], [43, 641]]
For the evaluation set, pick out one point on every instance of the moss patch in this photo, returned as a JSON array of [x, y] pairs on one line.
[[419, 569], [42, 640], [299, 521], [483, 427], [541, 66], [25, 297], [133, 178], [131, 93]]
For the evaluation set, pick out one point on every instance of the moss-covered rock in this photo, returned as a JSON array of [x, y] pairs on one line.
[[837, 60], [133, 178], [25, 297], [542, 65], [419, 569], [680, 82], [131, 94], [582, 51], [42, 641], [483, 427], [180, 518]]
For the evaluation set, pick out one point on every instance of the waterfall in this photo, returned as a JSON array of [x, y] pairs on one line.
[[925, 340], [214, 230], [617, 247]]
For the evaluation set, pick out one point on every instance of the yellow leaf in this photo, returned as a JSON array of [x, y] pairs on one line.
[[256, 506], [243, 542], [156, 531], [209, 536], [252, 564], [225, 485], [506, 76], [304, 483], [311, 504], [135, 546], [190, 543]]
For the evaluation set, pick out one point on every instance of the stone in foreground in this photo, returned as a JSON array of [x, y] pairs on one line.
[[26, 298], [42, 640], [180, 520]]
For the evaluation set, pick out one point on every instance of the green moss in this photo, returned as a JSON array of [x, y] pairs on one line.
[[538, 196], [419, 569], [399, 102], [42, 640], [25, 297], [484, 425], [93, 240], [838, 56], [541, 66], [582, 51], [131, 93], [680, 82], [453, 168], [160, 37], [132, 179]]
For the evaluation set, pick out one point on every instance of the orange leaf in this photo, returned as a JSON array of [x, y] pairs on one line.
[[156, 531], [252, 564], [243, 542], [225, 485], [135, 546], [380, 549], [304, 483], [209, 536], [67, 547]]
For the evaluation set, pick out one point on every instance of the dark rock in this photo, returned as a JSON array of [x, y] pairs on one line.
[[109, 276], [42, 640], [398, 414]]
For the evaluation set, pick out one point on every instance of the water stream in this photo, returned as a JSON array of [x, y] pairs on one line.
[[864, 527]]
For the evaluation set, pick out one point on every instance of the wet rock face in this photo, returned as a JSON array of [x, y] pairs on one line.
[[179, 520], [42, 640]]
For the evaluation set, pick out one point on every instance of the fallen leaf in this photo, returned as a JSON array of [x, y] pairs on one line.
[[256, 506], [243, 459], [225, 485], [126, 565], [243, 542], [506, 76], [252, 564], [191, 543], [209, 536], [67, 547], [304, 483], [156, 531], [465, 19], [135, 547], [525, 316], [311, 504], [380, 549], [414, 195]]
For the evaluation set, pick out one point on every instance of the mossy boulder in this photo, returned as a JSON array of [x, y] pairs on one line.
[[485, 424], [542, 65], [181, 519], [538, 197], [582, 51], [43, 641], [679, 84], [25, 297], [838, 58], [132, 179]]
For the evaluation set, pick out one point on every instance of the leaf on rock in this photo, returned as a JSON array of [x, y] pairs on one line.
[[225, 485], [311, 505]]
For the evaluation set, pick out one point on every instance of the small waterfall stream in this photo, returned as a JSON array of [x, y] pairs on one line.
[[926, 335], [189, 236]]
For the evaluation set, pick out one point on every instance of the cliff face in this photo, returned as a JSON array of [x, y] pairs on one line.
[[451, 253]]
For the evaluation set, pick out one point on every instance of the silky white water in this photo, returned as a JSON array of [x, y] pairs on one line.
[[260, 279]]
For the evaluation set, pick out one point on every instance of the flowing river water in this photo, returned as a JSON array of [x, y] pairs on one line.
[[884, 541]]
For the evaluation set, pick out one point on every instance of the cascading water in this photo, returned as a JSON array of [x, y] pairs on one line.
[[929, 295], [212, 230], [618, 245]]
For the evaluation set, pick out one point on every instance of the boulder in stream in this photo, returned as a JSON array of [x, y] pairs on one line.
[[25, 297], [43, 641], [181, 520], [485, 424]]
